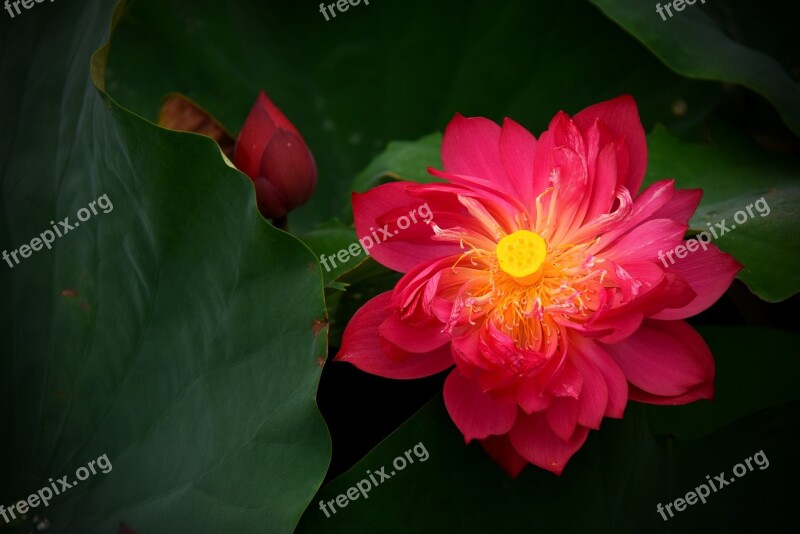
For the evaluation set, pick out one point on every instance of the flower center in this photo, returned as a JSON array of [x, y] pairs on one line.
[[521, 255]]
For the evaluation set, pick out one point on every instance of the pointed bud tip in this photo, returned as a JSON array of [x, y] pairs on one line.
[[274, 155]]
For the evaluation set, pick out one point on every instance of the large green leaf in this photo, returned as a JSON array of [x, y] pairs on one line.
[[613, 484], [733, 176], [698, 45], [179, 334], [387, 70]]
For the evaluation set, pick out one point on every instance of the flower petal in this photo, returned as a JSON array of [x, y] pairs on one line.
[[598, 357], [531, 396], [275, 113], [535, 441], [562, 416], [255, 134], [502, 452], [471, 146], [501, 205], [477, 414], [289, 167], [666, 359], [517, 150], [567, 382], [413, 338], [603, 175], [594, 394], [644, 242], [363, 346], [708, 271], [398, 252], [651, 201], [621, 116], [681, 206]]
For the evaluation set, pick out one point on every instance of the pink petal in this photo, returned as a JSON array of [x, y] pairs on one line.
[[644, 242], [567, 382], [571, 179], [413, 338], [562, 416], [666, 359], [477, 414], [270, 199], [670, 291], [531, 396], [497, 382], [498, 346], [616, 382], [621, 117], [604, 182], [566, 133], [613, 327], [647, 273], [363, 346], [681, 207], [500, 204], [652, 200], [289, 167], [502, 452], [634, 280], [471, 146], [594, 394], [517, 149], [709, 272], [398, 252], [254, 136], [703, 392], [561, 136], [543, 163], [535, 441], [276, 114], [413, 282], [466, 352], [608, 225]]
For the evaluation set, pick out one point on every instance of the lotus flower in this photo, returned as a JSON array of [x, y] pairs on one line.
[[272, 153], [539, 278]]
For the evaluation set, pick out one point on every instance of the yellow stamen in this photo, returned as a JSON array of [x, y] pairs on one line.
[[521, 255]]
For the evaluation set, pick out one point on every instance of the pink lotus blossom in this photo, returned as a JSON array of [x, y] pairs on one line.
[[539, 279]]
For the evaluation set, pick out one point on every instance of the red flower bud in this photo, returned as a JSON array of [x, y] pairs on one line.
[[273, 154]]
